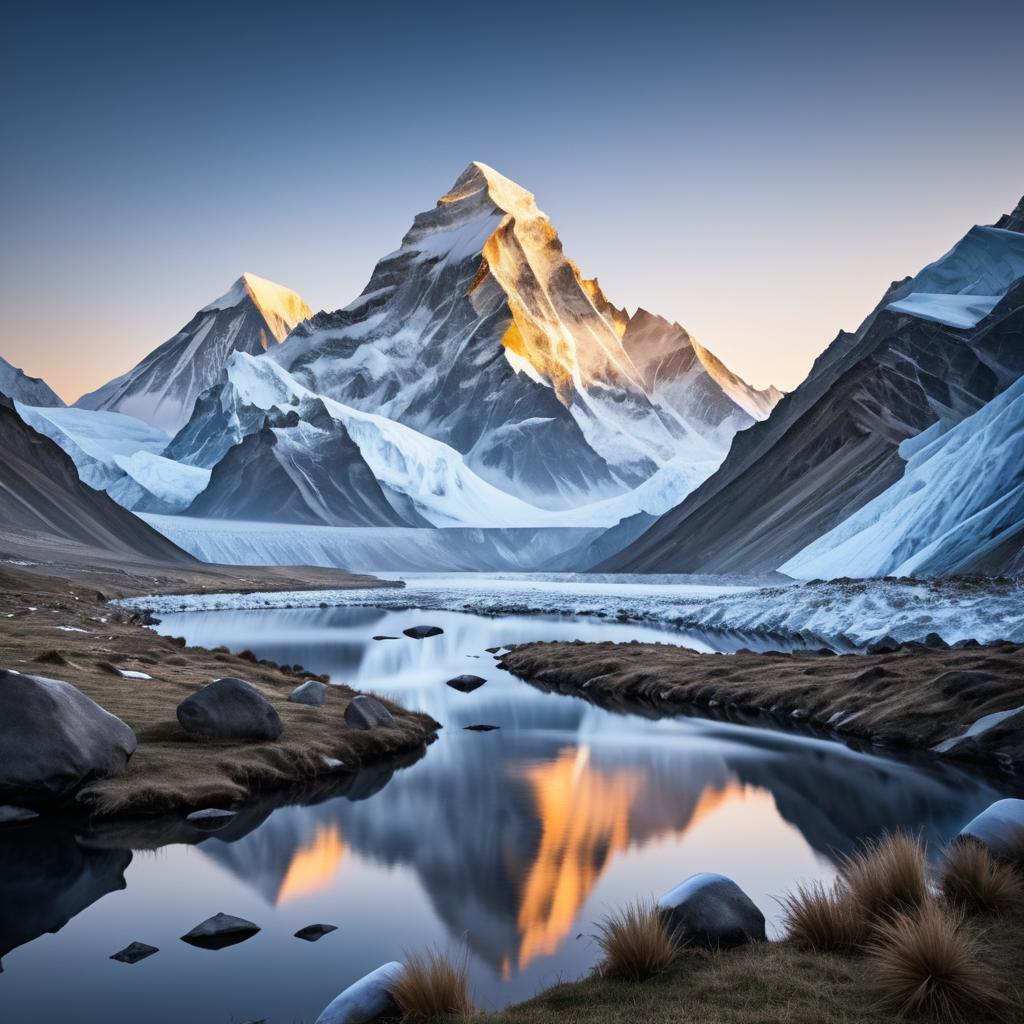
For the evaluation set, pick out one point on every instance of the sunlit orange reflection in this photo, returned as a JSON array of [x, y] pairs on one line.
[[313, 866]]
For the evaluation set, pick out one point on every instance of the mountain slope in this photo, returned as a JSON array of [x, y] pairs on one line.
[[252, 316], [47, 510], [19, 387], [480, 333], [833, 444], [960, 498]]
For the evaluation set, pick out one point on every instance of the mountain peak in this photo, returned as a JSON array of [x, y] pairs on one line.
[[480, 179]]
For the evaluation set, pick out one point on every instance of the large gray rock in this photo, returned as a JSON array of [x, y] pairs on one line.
[[712, 910], [422, 632], [466, 683], [220, 931], [1000, 827], [229, 709], [311, 692], [53, 738], [365, 712], [367, 999]]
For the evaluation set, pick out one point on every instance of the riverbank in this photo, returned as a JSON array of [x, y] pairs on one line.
[[66, 629], [966, 703]]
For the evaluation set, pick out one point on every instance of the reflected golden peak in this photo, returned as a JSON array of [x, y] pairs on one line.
[[314, 866]]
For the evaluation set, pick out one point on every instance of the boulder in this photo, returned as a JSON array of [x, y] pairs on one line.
[[886, 645], [1000, 827], [229, 709], [220, 931], [310, 692], [314, 932], [365, 712], [53, 738], [367, 999], [466, 683], [422, 632], [134, 952], [712, 910]]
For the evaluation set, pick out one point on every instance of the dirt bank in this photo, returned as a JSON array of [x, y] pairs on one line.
[[915, 697], [67, 630]]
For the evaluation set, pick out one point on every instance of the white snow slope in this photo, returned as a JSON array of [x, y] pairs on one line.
[[961, 493], [963, 287]]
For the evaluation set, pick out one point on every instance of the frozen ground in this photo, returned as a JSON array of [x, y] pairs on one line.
[[855, 612]]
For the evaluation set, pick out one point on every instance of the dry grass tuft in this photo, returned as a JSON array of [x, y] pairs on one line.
[[433, 987], [927, 963], [888, 876], [975, 881], [824, 918], [635, 942]]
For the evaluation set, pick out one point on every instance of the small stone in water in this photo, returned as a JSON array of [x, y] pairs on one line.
[[312, 932], [481, 728], [135, 952]]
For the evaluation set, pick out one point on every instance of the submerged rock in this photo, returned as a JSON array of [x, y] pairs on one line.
[[220, 931], [315, 932], [364, 712], [210, 819], [367, 999], [712, 910], [466, 683], [422, 632], [53, 738], [1000, 827], [134, 952], [229, 709], [310, 692]]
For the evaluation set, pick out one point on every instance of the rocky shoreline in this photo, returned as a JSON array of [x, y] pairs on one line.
[[168, 755], [965, 703]]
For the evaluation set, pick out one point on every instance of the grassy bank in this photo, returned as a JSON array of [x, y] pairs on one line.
[[67, 630], [915, 698]]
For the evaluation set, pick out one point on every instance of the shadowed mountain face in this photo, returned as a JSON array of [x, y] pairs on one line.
[[46, 506], [252, 316], [833, 444]]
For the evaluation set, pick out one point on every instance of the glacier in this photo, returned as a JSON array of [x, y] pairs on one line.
[[961, 494]]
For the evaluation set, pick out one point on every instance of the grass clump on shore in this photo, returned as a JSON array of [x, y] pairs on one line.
[[824, 917], [926, 963], [635, 943], [973, 880], [433, 987], [888, 876]]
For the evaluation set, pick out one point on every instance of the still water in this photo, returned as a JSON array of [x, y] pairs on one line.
[[512, 843]]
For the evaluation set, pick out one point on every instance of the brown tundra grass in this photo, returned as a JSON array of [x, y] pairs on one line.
[[973, 880], [433, 987], [927, 963], [635, 943], [824, 917], [889, 875]]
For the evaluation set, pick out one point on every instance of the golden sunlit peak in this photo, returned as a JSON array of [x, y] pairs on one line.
[[503, 192], [314, 865]]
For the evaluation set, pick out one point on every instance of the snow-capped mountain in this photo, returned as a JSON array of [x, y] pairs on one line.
[[252, 316], [959, 506], [480, 333], [18, 386], [936, 349]]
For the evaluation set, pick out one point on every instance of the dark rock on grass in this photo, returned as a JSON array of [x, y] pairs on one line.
[[886, 645], [385, 638], [367, 999], [209, 819], [967, 644], [466, 683], [712, 911], [53, 738], [229, 709], [935, 642], [481, 728], [311, 692], [220, 931], [1000, 827], [365, 712], [51, 658], [10, 815], [135, 952], [422, 632], [315, 932]]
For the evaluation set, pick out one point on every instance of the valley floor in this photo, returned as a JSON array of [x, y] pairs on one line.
[[65, 629], [963, 703]]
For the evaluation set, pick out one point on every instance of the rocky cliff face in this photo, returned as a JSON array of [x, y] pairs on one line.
[[19, 387], [937, 348], [252, 316]]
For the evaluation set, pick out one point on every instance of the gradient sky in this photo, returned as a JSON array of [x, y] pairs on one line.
[[757, 172]]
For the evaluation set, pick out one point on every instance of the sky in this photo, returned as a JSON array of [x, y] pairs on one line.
[[757, 172]]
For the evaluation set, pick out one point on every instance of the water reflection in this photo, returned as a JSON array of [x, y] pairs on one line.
[[514, 840]]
